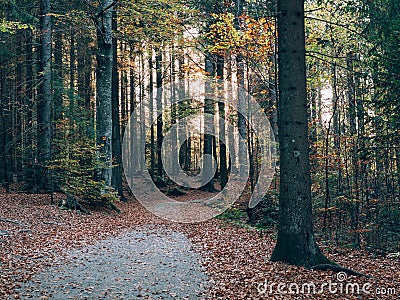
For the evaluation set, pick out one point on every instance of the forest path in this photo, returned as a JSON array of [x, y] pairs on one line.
[[150, 263], [48, 253]]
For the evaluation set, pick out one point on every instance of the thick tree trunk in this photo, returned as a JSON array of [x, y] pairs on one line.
[[116, 130], [104, 92], [45, 95], [295, 244]]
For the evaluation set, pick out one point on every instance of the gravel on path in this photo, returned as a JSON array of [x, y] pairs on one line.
[[150, 263]]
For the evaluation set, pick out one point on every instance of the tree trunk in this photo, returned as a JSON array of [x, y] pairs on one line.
[[58, 73], [104, 92], [3, 127], [132, 111], [222, 145], [241, 97], [208, 139], [351, 86], [151, 109], [84, 69], [242, 105], [29, 102], [159, 110], [72, 61], [116, 133], [45, 95], [295, 244]]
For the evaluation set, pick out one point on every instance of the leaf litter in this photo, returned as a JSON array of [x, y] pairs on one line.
[[235, 259]]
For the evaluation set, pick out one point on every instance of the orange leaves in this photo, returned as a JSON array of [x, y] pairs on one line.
[[235, 258], [259, 38], [254, 39]]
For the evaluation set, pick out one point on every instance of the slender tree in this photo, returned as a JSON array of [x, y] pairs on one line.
[[208, 139], [159, 82], [221, 108]]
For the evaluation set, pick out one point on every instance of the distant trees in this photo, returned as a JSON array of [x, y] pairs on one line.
[[70, 78], [353, 106]]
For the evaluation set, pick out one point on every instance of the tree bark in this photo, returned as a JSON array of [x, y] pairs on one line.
[[159, 110], [45, 95], [151, 109], [29, 102], [116, 130], [351, 92], [3, 127], [208, 139], [58, 72], [222, 145], [104, 92], [295, 244], [72, 69]]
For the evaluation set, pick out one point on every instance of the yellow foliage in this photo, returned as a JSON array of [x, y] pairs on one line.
[[254, 39]]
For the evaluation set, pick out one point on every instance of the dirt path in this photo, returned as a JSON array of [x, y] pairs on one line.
[[134, 255], [144, 264]]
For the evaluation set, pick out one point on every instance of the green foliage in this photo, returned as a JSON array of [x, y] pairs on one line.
[[154, 22], [19, 13], [75, 163], [11, 26], [233, 214]]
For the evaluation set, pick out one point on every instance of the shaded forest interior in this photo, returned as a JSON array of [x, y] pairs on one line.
[[64, 65]]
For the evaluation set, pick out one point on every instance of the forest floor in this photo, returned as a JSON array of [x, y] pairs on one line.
[[50, 253]]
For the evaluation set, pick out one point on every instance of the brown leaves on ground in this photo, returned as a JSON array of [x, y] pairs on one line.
[[236, 259]]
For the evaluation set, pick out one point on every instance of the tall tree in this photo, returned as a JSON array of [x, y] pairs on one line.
[[296, 244], [116, 128], [208, 140], [104, 90], [159, 82], [44, 106], [221, 109]]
